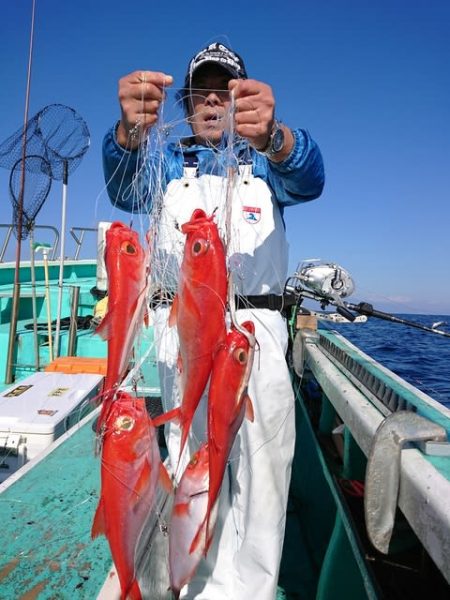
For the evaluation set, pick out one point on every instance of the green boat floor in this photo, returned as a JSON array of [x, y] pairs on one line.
[[47, 516]]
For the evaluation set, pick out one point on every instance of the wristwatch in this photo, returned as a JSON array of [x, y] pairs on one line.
[[276, 141]]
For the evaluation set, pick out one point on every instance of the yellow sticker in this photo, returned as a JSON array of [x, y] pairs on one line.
[[17, 391], [58, 391]]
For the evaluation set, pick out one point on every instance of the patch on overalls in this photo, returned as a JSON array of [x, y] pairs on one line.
[[252, 214]]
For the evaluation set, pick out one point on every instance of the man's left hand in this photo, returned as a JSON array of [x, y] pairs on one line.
[[255, 106], [255, 114]]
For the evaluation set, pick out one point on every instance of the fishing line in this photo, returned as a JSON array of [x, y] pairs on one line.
[[159, 136]]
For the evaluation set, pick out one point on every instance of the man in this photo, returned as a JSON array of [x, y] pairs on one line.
[[272, 166]]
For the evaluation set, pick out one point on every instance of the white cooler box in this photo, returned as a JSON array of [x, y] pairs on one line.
[[37, 410]]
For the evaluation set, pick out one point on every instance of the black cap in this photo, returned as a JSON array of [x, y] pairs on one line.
[[219, 55]]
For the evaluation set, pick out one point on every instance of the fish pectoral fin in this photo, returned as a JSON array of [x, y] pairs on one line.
[[181, 509], [199, 538], [173, 312], [249, 412], [164, 479], [142, 481], [99, 525]]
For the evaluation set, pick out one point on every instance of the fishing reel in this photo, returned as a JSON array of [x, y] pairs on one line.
[[325, 279], [324, 282], [321, 280]]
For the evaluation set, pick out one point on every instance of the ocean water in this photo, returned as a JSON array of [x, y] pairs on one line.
[[419, 357]]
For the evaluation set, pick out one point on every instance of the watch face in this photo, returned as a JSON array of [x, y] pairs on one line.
[[277, 140]]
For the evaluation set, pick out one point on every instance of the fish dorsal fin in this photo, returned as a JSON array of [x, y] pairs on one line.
[[104, 329], [142, 481], [170, 415]]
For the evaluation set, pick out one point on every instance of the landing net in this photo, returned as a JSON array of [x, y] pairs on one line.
[[30, 178]]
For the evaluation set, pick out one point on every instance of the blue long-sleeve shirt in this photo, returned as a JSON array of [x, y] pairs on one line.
[[131, 182]]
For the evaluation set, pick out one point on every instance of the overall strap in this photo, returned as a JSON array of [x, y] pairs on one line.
[[190, 166]]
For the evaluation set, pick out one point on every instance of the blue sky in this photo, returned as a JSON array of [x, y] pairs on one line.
[[369, 80]]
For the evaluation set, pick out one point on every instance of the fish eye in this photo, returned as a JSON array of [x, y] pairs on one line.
[[128, 248], [200, 247], [124, 423], [240, 355]]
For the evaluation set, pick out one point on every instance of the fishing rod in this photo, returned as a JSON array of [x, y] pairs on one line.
[[329, 283], [16, 288], [365, 308]]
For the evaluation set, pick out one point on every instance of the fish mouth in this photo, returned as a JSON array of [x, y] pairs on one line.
[[198, 219]]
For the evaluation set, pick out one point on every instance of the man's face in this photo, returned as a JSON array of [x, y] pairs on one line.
[[209, 103]]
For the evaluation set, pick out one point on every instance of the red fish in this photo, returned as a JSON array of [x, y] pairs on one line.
[[130, 469], [199, 311], [228, 402], [127, 268], [188, 515]]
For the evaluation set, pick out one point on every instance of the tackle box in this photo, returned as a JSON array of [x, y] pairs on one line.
[[37, 410]]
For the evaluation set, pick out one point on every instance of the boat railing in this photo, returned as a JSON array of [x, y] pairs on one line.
[[77, 233], [79, 239], [10, 228]]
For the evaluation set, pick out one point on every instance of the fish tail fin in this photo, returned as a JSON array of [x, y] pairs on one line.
[[133, 592], [185, 427], [208, 533], [208, 542], [175, 592], [211, 516]]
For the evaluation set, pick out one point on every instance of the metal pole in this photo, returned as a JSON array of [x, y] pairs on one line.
[[33, 301], [49, 310], [6, 242], [61, 258], [73, 321], [16, 291]]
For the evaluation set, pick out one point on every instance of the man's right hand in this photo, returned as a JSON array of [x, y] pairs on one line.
[[140, 95]]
